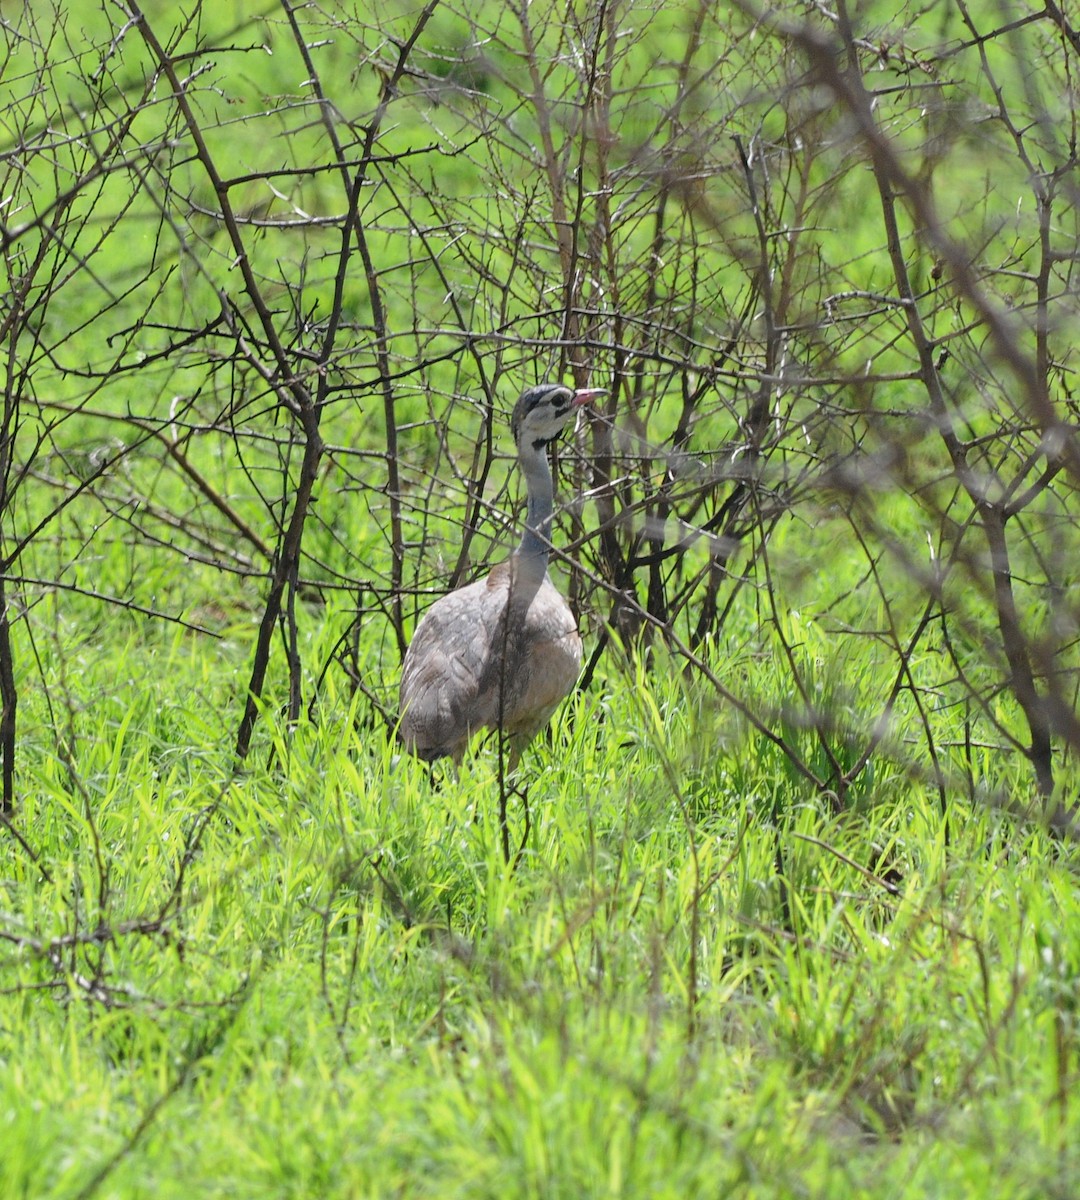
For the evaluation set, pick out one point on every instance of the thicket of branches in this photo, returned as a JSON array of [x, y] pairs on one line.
[[260, 276]]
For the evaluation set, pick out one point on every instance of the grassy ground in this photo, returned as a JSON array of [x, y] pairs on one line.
[[320, 978]]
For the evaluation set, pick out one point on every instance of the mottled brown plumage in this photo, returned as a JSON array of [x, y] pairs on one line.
[[502, 652]]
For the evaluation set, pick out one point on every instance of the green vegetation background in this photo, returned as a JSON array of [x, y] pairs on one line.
[[317, 977]]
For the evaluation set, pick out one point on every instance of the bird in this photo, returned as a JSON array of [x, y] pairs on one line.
[[503, 651]]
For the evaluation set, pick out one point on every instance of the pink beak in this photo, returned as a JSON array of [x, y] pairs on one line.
[[586, 394]]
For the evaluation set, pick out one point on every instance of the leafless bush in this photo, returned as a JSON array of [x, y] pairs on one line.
[[823, 261]]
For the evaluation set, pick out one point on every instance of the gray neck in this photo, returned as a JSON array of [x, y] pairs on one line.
[[536, 537]]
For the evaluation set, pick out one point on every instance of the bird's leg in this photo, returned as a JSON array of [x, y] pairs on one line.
[[523, 792], [513, 857], [504, 797], [437, 776], [509, 760]]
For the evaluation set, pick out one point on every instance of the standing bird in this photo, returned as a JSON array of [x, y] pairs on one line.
[[502, 652]]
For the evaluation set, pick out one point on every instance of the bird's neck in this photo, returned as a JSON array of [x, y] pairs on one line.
[[536, 537]]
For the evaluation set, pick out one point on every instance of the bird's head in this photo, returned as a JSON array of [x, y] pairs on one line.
[[542, 411]]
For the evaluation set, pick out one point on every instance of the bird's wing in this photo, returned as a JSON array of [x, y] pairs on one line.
[[442, 698], [468, 668]]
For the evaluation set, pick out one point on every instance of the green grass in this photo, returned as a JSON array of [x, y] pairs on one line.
[[348, 993]]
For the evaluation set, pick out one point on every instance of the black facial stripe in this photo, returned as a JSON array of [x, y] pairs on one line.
[[558, 397]]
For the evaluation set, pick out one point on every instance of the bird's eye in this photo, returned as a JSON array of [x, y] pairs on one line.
[[558, 401]]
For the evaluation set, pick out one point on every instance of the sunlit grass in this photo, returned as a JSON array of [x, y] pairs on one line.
[[319, 976]]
